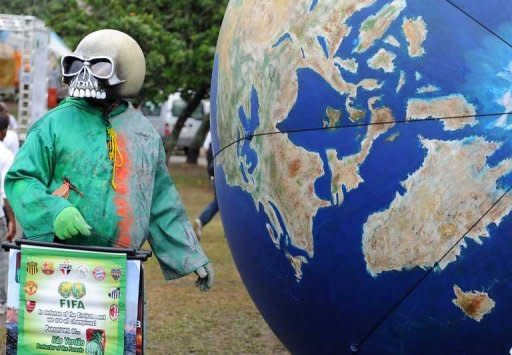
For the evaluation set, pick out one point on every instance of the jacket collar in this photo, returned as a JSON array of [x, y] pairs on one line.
[[86, 105]]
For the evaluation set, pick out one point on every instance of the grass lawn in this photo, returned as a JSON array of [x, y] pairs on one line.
[[224, 321]]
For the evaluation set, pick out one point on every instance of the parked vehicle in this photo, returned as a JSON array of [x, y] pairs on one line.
[[171, 110]]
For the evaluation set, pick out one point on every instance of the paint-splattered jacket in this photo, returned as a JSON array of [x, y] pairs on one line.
[[70, 142]]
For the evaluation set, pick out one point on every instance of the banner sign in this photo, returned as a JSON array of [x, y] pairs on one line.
[[70, 302]]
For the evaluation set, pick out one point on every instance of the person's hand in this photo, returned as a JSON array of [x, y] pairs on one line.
[[11, 231], [205, 277], [69, 222]]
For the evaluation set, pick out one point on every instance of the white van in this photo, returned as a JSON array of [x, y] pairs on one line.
[[172, 108]]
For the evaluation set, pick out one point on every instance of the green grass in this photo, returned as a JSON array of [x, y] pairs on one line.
[[223, 321]]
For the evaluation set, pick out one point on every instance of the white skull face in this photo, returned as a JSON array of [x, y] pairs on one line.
[[107, 64], [89, 77]]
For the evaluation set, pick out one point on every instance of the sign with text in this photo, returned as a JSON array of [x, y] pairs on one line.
[[71, 301]]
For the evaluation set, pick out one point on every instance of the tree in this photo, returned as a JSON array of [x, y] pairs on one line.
[[199, 140], [178, 38]]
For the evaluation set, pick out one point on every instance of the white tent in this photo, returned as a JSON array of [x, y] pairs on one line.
[[57, 46]]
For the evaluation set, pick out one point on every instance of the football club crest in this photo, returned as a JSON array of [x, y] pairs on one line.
[[113, 312], [32, 267], [116, 273], [48, 268], [115, 293], [30, 288], [82, 271], [65, 268], [99, 273], [30, 306]]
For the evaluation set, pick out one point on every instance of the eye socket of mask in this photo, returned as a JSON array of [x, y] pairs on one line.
[[100, 67]]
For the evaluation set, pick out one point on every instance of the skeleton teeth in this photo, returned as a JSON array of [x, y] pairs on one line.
[[93, 93], [81, 93], [103, 95], [70, 91], [87, 93], [74, 93]]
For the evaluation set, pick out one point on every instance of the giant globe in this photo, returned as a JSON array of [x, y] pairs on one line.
[[363, 171]]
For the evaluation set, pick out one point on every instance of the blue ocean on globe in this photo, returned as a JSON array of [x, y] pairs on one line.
[[363, 171]]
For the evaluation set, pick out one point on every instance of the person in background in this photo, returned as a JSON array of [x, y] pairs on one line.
[[7, 228], [11, 140], [13, 123], [213, 207]]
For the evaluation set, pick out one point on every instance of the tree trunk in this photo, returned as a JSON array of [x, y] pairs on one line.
[[170, 142], [195, 149]]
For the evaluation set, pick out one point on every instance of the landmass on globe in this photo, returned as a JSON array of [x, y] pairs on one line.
[[453, 184], [415, 31], [427, 89], [259, 61], [333, 117], [455, 110], [383, 59], [374, 27], [474, 304]]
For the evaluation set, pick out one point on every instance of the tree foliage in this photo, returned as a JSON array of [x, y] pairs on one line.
[[178, 37]]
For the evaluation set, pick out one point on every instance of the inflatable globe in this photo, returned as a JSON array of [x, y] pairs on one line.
[[363, 171]]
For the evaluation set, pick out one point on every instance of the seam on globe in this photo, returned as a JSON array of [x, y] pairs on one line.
[[418, 282], [480, 23], [357, 125]]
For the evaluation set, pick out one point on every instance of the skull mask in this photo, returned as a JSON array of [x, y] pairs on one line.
[[106, 65]]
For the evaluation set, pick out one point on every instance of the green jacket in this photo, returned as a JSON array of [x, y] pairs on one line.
[[70, 142]]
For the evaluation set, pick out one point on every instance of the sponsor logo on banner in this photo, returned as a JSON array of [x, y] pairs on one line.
[[116, 273], [75, 289], [30, 288], [82, 271], [78, 290], [48, 268], [114, 312], [69, 303], [65, 268], [115, 293], [32, 267], [65, 289], [30, 306], [99, 273]]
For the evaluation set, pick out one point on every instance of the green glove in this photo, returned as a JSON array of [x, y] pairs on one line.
[[69, 222]]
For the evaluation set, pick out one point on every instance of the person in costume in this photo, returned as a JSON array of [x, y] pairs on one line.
[[93, 172]]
